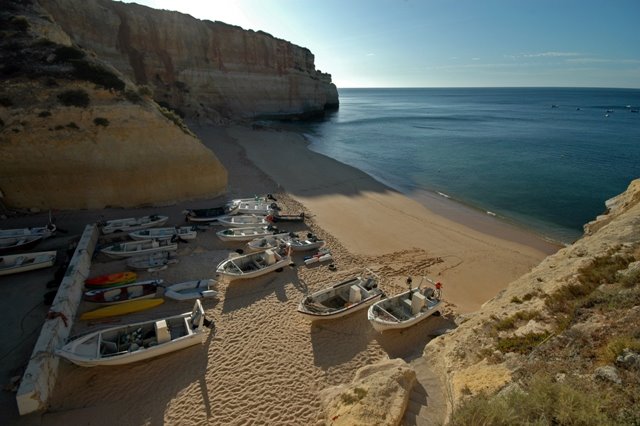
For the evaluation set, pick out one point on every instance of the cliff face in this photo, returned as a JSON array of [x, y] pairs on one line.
[[199, 68], [74, 133], [574, 320]]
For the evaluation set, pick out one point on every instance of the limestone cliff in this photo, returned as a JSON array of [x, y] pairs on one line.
[[75, 133], [574, 320], [199, 68]]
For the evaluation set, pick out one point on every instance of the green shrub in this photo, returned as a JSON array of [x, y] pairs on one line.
[[19, 23], [101, 121], [145, 91], [542, 402], [521, 344], [132, 96], [6, 102], [78, 98], [516, 300], [73, 126], [615, 346], [68, 53], [98, 75], [510, 322], [44, 114]]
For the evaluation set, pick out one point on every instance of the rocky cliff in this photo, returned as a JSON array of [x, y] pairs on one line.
[[75, 133], [200, 69], [560, 345]]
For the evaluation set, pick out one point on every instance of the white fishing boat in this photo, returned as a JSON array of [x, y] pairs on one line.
[[189, 290], [152, 262], [129, 343], [209, 214], [262, 208], [118, 294], [266, 198], [407, 308], [269, 241], [138, 248], [243, 221], [15, 263], [15, 244], [132, 224], [43, 231], [344, 298], [246, 234], [183, 232], [311, 242], [254, 264]]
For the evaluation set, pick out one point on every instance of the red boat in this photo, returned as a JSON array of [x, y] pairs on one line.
[[111, 279]]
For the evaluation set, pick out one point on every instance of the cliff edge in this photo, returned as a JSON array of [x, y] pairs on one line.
[[200, 69], [560, 345]]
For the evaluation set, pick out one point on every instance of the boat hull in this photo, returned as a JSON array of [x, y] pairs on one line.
[[111, 279], [115, 345], [190, 290], [121, 309], [383, 320], [11, 264]]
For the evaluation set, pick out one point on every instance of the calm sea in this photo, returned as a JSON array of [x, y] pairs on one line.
[[544, 158]]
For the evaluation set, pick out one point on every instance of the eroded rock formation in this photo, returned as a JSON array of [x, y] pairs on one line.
[[199, 68], [75, 133]]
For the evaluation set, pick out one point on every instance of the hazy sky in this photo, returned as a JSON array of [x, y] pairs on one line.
[[448, 43]]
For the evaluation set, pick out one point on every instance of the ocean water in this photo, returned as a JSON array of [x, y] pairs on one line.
[[543, 158]]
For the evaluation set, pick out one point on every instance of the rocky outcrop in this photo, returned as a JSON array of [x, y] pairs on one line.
[[557, 318], [74, 133], [378, 395], [199, 68]]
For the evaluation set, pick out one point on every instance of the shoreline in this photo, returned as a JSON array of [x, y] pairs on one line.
[[370, 218]]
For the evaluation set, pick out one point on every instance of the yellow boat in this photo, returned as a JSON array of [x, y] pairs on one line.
[[122, 309]]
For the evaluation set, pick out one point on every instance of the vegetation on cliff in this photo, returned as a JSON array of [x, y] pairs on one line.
[[567, 335]]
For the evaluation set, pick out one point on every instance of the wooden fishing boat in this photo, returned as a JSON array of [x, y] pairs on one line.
[[270, 241], [124, 308], [247, 234], [207, 215], [407, 308], [189, 290], [152, 262], [132, 224], [111, 279], [43, 231], [311, 242], [138, 248], [16, 244], [15, 263], [254, 264], [138, 341], [344, 298], [122, 293], [183, 232], [243, 221]]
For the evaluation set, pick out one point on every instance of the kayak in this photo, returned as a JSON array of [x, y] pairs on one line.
[[122, 309], [110, 279]]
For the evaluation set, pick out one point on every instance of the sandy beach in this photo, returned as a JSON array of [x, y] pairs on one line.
[[265, 364]]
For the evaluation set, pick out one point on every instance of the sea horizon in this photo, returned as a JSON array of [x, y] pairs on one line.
[[542, 158]]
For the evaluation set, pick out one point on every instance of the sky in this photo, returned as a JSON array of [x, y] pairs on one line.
[[448, 43]]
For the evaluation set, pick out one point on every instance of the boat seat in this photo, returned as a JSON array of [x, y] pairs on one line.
[[20, 260]]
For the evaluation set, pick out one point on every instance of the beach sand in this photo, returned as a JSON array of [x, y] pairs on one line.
[[265, 364]]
